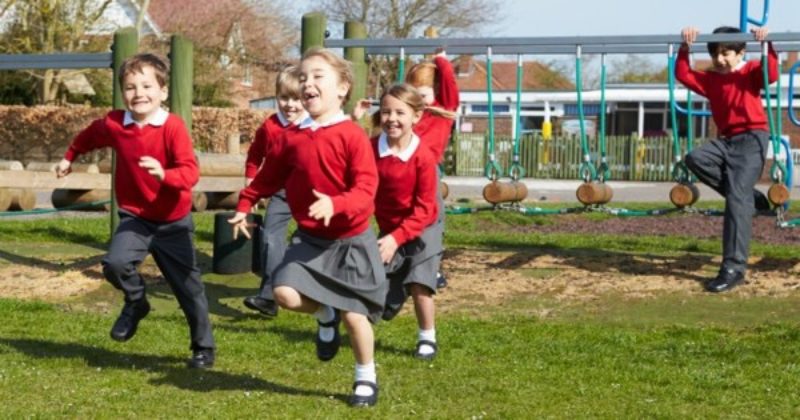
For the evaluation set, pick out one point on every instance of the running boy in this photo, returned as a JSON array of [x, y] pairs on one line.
[[156, 170], [732, 163], [277, 215]]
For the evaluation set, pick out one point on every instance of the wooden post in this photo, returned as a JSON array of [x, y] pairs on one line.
[[126, 42], [181, 76], [356, 56], [313, 31]]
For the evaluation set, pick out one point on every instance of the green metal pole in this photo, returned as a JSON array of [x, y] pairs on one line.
[[181, 78], [126, 42], [356, 56], [313, 31]]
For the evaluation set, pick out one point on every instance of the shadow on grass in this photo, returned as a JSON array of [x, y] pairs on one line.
[[84, 265], [171, 368]]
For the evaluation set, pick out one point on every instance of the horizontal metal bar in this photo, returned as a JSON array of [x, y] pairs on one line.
[[562, 49], [563, 40], [55, 61]]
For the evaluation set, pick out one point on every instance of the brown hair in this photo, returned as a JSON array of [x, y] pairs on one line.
[[405, 93], [342, 67], [138, 62], [288, 82]]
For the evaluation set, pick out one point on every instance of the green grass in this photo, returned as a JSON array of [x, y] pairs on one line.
[[676, 355]]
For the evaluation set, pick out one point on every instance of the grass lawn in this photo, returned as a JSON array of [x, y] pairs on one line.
[[675, 355]]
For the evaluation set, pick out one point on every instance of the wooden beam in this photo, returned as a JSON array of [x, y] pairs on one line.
[[85, 181]]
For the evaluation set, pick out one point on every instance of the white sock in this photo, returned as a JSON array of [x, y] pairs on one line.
[[325, 314], [365, 373], [427, 335]]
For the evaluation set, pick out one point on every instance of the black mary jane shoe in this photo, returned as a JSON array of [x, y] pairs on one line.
[[326, 350], [364, 401], [429, 356], [266, 307]]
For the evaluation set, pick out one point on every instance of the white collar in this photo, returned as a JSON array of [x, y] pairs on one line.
[[158, 119], [405, 155], [309, 122], [284, 122]]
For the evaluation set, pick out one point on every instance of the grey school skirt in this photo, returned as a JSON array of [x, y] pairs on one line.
[[346, 274], [415, 262]]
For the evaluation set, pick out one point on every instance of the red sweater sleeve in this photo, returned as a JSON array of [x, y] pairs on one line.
[[425, 203], [447, 96], [95, 136], [772, 69], [256, 153], [692, 79], [362, 174], [269, 180], [181, 171]]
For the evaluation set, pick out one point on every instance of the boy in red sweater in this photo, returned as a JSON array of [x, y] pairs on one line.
[[156, 170], [732, 163]]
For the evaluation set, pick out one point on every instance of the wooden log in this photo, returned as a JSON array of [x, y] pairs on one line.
[[223, 200], [199, 201], [11, 165], [84, 181], [22, 199], [682, 195], [80, 199], [89, 168], [778, 194], [497, 192], [590, 193], [5, 199], [220, 165]]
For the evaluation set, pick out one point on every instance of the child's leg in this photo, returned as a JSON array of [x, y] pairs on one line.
[[276, 224], [129, 246], [425, 310], [174, 253], [707, 162], [743, 168], [362, 340], [292, 300]]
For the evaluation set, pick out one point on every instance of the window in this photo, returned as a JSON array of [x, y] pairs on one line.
[[484, 109]]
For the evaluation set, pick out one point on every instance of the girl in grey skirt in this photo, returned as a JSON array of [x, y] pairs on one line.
[[406, 209], [332, 267]]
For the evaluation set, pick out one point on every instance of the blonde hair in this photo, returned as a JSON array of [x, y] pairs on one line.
[[426, 74], [342, 67], [405, 93], [288, 82]]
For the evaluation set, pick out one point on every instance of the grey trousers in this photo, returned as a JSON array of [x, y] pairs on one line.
[[173, 251], [273, 240], [732, 166]]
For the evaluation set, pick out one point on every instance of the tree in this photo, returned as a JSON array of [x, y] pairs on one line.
[[408, 19], [49, 26]]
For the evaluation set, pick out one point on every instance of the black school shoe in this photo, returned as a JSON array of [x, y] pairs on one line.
[[426, 357], [202, 359], [726, 280], [441, 281], [326, 350], [361, 401], [125, 326], [266, 307]]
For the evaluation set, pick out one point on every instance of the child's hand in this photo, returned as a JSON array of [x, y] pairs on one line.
[[153, 167], [63, 168], [440, 52], [239, 222], [760, 34], [322, 208], [387, 247], [689, 35], [361, 108], [247, 181]]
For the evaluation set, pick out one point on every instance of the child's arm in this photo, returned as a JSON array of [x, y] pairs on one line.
[[269, 179], [95, 136], [362, 175], [447, 96], [760, 35], [425, 204], [255, 154], [180, 171], [692, 79]]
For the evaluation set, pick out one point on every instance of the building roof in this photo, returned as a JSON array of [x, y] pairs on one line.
[[471, 75]]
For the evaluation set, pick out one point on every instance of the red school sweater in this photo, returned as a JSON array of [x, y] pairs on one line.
[[435, 130], [406, 202], [266, 135], [735, 97], [334, 159], [137, 191]]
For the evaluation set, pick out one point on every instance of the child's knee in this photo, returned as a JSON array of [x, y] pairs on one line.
[[420, 290], [115, 267], [354, 318], [286, 297]]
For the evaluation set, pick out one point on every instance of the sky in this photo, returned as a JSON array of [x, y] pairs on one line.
[[533, 18]]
